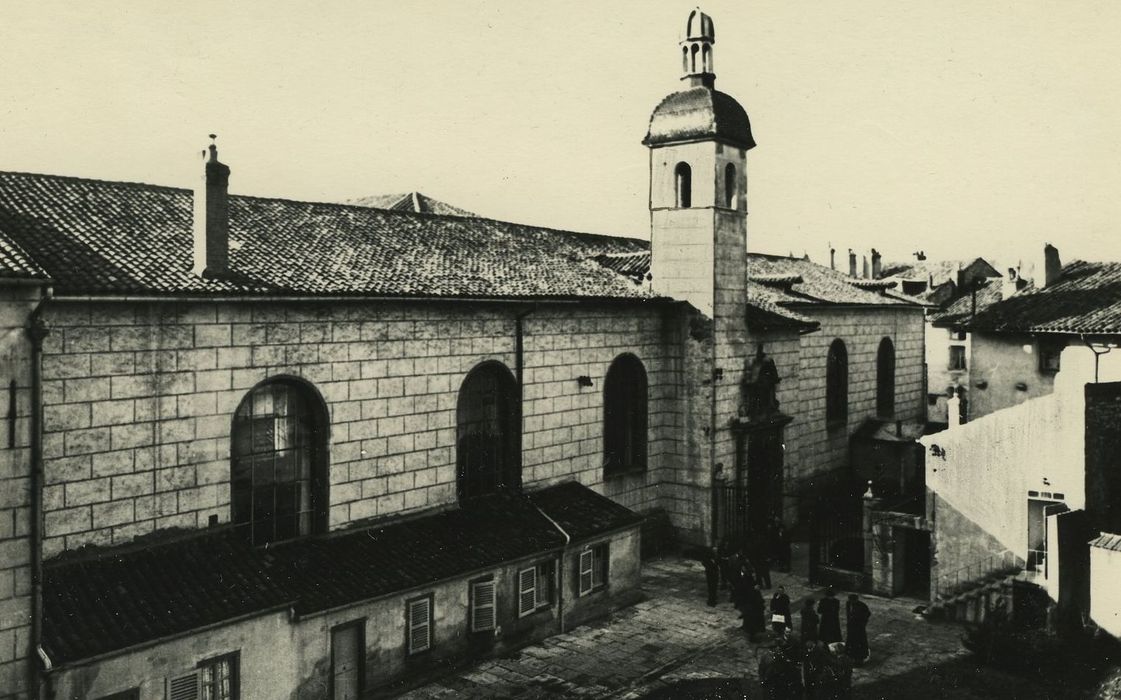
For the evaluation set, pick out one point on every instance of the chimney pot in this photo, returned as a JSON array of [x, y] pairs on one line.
[[877, 264], [852, 263], [864, 267]]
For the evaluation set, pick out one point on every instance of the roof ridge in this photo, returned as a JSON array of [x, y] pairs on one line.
[[100, 181]]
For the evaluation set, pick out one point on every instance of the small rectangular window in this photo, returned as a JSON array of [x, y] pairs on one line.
[[593, 569], [1049, 354], [418, 614], [218, 678], [482, 606], [957, 357]]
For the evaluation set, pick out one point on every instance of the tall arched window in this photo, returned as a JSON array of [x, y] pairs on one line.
[[684, 59], [624, 416], [278, 455], [487, 432], [837, 385], [683, 185], [730, 186], [885, 379]]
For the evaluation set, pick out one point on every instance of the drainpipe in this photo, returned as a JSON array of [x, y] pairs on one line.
[[560, 569], [519, 374], [37, 332]]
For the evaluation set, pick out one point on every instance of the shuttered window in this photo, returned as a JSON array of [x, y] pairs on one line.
[[592, 571], [418, 615], [482, 606], [218, 678], [527, 591], [185, 687]]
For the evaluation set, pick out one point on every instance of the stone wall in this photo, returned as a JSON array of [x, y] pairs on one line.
[[139, 400], [1004, 362], [15, 493], [812, 450]]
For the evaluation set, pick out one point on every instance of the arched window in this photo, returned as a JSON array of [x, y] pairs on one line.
[[706, 58], [624, 416], [730, 186], [837, 385], [278, 455], [885, 379], [694, 56], [487, 432], [684, 59], [683, 185]]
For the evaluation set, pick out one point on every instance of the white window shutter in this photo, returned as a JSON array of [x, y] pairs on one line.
[[185, 687], [586, 571], [482, 606], [420, 629], [527, 591]]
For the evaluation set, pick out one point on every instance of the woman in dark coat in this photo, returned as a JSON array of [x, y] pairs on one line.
[[829, 608], [809, 621], [856, 621]]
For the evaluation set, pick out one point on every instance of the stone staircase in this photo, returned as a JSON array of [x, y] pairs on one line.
[[970, 593]]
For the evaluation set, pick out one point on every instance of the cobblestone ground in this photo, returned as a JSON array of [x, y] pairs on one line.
[[672, 645]]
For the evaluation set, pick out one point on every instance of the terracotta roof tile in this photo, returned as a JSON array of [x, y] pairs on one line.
[[1085, 300], [581, 512], [96, 237]]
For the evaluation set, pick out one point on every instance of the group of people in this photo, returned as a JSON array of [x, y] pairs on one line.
[[816, 664]]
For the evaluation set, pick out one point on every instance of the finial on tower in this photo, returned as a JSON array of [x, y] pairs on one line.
[[696, 50]]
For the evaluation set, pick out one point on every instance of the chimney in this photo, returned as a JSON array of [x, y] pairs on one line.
[[1009, 283], [212, 216], [877, 265], [852, 263], [1052, 267], [864, 268], [832, 258]]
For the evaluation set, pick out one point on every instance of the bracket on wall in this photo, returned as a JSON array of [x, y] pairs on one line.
[[583, 380]]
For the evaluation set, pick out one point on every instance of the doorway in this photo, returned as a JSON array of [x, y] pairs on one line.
[[911, 563], [1038, 508], [764, 478]]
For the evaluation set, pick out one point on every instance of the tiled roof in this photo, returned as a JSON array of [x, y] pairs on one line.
[[410, 201], [819, 285], [1107, 541], [96, 237], [1085, 299], [633, 265], [964, 307], [581, 512], [121, 597], [699, 113], [16, 263]]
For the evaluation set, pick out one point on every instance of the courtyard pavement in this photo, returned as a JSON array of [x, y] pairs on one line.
[[672, 645]]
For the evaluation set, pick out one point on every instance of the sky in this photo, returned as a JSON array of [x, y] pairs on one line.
[[959, 128]]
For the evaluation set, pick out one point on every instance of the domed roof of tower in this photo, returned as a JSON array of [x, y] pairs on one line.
[[696, 114], [699, 27]]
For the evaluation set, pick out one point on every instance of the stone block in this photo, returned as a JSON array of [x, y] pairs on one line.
[[130, 485], [125, 437], [67, 521]]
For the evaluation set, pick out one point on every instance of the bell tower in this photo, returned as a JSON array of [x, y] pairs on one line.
[[698, 140]]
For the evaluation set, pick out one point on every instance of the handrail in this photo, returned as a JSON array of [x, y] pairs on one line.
[[955, 581]]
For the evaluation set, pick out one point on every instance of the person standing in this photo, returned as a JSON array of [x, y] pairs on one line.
[[712, 575], [753, 612], [809, 621], [780, 612], [857, 615], [829, 608]]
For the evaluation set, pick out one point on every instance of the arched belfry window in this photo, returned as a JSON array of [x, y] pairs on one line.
[[684, 59], [487, 432], [683, 186], [730, 186], [624, 416], [885, 379], [278, 455], [837, 385]]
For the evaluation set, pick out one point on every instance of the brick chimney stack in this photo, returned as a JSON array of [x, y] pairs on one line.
[[832, 258], [852, 263], [1052, 266], [212, 216], [864, 268], [877, 264]]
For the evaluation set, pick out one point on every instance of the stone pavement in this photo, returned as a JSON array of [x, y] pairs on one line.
[[672, 645]]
